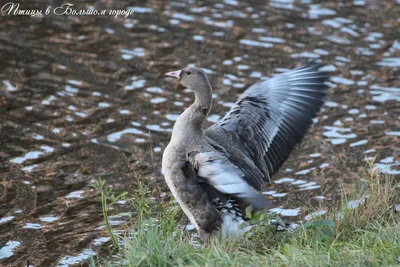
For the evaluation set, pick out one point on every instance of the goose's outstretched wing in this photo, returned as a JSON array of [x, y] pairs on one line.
[[268, 120], [221, 174]]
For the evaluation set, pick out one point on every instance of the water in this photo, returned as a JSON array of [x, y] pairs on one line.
[[83, 98]]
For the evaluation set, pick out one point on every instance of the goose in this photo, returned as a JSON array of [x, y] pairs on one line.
[[215, 173]]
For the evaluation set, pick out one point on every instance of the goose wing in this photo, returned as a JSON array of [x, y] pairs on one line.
[[217, 170], [268, 120]]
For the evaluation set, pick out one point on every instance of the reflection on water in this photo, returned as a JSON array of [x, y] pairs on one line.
[[83, 98], [7, 250]]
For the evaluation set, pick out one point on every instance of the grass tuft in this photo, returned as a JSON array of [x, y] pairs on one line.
[[368, 235]]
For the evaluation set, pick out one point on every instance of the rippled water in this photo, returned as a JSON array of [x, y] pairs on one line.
[[84, 97]]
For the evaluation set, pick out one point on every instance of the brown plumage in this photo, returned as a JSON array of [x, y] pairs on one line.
[[215, 173]]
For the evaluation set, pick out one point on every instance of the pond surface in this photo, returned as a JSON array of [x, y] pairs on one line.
[[84, 97]]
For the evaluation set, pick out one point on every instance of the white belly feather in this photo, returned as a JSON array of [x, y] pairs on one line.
[[231, 226]]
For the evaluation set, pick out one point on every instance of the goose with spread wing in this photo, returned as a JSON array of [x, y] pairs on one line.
[[215, 173]]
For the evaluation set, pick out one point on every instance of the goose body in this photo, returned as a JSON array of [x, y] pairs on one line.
[[215, 173]]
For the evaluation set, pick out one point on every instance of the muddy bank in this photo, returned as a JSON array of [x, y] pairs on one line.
[[83, 97]]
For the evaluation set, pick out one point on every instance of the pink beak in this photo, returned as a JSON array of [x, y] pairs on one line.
[[174, 74]]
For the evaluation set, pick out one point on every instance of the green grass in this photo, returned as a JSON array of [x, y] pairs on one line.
[[368, 235]]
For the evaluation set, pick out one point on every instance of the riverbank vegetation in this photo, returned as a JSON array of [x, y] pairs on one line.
[[363, 230]]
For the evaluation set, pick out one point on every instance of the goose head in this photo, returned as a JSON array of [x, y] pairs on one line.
[[193, 78]]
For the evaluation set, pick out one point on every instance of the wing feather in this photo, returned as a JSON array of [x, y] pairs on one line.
[[269, 119], [227, 178]]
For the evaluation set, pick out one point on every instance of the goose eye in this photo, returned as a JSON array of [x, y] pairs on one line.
[[188, 72]]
